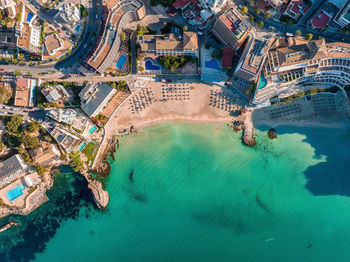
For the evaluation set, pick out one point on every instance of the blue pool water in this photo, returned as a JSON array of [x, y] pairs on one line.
[[77, 28], [262, 82], [212, 64], [121, 61], [150, 66], [29, 17], [14, 193], [82, 146], [92, 129]]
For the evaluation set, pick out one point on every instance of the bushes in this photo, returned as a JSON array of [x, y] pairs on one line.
[[90, 151], [5, 94], [217, 54], [174, 62], [13, 125]]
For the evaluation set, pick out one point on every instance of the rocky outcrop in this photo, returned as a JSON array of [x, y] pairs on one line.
[[272, 133], [101, 196], [249, 140]]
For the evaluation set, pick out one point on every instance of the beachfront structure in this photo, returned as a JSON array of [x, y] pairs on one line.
[[24, 92], [295, 65], [94, 97], [11, 168], [187, 45], [252, 59], [65, 116], [45, 154], [231, 28], [65, 139]]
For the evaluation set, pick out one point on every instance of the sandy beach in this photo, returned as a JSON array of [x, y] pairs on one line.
[[160, 102]]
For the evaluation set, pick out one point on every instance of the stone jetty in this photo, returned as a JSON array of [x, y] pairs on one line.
[[248, 130]]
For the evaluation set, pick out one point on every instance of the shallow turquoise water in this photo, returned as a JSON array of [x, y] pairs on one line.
[[185, 192]]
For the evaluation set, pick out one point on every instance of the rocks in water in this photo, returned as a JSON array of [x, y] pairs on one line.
[[249, 141], [237, 125], [272, 133], [131, 176]]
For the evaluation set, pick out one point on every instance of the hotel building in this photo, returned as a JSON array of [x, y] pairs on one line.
[[170, 45], [294, 64], [231, 28]]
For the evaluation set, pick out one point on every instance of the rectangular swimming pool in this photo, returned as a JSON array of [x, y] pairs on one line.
[[121, 61], [14, 193], [82, 146], [92, 129]]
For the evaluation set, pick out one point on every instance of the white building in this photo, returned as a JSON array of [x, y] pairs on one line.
[[11, 168], [70, 13], [214, 5], [94, 97], [65, 116]]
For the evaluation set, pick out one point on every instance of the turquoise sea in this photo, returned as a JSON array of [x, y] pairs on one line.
[[188, 192]]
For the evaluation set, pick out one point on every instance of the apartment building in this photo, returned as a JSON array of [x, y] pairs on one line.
[[231, 28], [187, 45]]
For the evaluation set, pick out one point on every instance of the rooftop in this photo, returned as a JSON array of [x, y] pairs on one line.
[[93, 96], [11, 165], [227, 57], [321, 20]]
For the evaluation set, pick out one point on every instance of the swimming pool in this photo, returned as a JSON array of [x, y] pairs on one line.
[[29, 17], [150, 66], [121, 61], [92, 129], [262, 82], [77, 28], [14, 193], [82, 146], [213, 64]]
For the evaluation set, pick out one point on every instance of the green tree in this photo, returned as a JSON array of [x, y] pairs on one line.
[[217, 54], [244, 10], [268, 15], [13, 125], [261, 24], [17, 72], [257, 11], [32, 127], [84, 13], [5, 94], [308, 36], [122, 36], [141, 68], [298, 32], [29, 141], [40, 170], [185, 28], [251, 18]]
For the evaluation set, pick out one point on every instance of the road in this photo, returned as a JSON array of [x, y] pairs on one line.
[[34, 113], [79, 53]]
